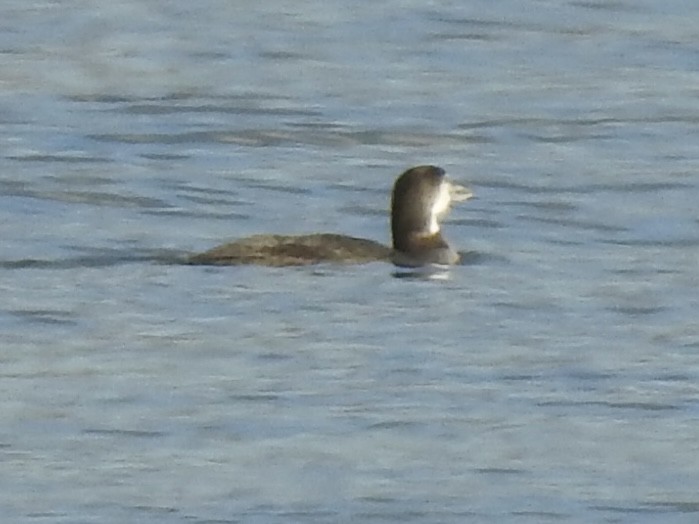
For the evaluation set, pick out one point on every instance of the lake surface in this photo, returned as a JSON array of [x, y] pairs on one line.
[[553, 377]]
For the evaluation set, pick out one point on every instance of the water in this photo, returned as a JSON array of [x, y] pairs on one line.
[[552, 378]]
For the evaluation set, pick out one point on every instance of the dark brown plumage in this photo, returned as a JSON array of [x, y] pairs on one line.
[[421, 195]]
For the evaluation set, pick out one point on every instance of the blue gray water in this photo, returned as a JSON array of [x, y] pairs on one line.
[[552, 378]]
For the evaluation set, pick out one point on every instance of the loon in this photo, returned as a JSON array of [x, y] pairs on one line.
[[421, 196]]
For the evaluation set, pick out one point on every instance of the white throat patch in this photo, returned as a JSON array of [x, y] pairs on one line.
[[440, 206]]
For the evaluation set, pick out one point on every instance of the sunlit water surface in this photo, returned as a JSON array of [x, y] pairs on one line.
[[553, 377]]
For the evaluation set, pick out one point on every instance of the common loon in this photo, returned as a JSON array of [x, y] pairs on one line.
[[421, 197]]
